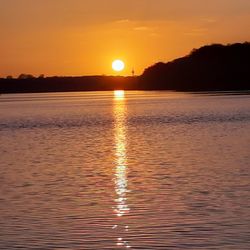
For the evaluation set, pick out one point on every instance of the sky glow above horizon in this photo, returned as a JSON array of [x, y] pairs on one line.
[[75, 37]]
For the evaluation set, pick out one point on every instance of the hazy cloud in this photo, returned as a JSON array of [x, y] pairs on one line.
[[141, 28]]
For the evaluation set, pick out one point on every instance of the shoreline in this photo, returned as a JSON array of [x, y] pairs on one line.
[[207, 92]]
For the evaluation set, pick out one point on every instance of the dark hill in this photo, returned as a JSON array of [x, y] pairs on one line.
[[213, 67]]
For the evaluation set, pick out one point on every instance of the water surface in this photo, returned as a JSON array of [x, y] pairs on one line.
[[147, 170]]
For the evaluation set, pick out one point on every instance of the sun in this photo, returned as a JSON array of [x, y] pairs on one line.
[[118, 65]]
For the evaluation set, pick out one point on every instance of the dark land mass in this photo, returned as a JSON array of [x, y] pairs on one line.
[[210, 68], [64, 84]]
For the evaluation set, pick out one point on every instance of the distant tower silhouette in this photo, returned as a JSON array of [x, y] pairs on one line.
[[133, 72]]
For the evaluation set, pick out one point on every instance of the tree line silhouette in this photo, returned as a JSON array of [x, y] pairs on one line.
[[64, 84], [213, 67]]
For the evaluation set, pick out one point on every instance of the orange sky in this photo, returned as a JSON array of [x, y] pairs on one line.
[[82, 37]]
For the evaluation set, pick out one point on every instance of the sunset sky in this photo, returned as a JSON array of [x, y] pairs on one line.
[[83, 37]]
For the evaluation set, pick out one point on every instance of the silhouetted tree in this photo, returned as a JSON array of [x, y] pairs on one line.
[[26, 76]]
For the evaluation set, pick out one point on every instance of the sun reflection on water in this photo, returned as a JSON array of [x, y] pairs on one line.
[[121, 208], [119, 95]]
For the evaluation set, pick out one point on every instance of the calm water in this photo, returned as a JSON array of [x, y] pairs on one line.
[[148, 170]]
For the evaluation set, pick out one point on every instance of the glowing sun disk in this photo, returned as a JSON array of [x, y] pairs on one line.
[[118, 65]]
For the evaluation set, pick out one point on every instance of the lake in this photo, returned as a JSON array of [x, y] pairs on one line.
[[133, 170]]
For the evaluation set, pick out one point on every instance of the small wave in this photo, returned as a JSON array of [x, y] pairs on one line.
[[60, 123], [187, 119]]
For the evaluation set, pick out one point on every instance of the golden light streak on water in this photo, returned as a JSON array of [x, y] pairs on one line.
[[121, 182]]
